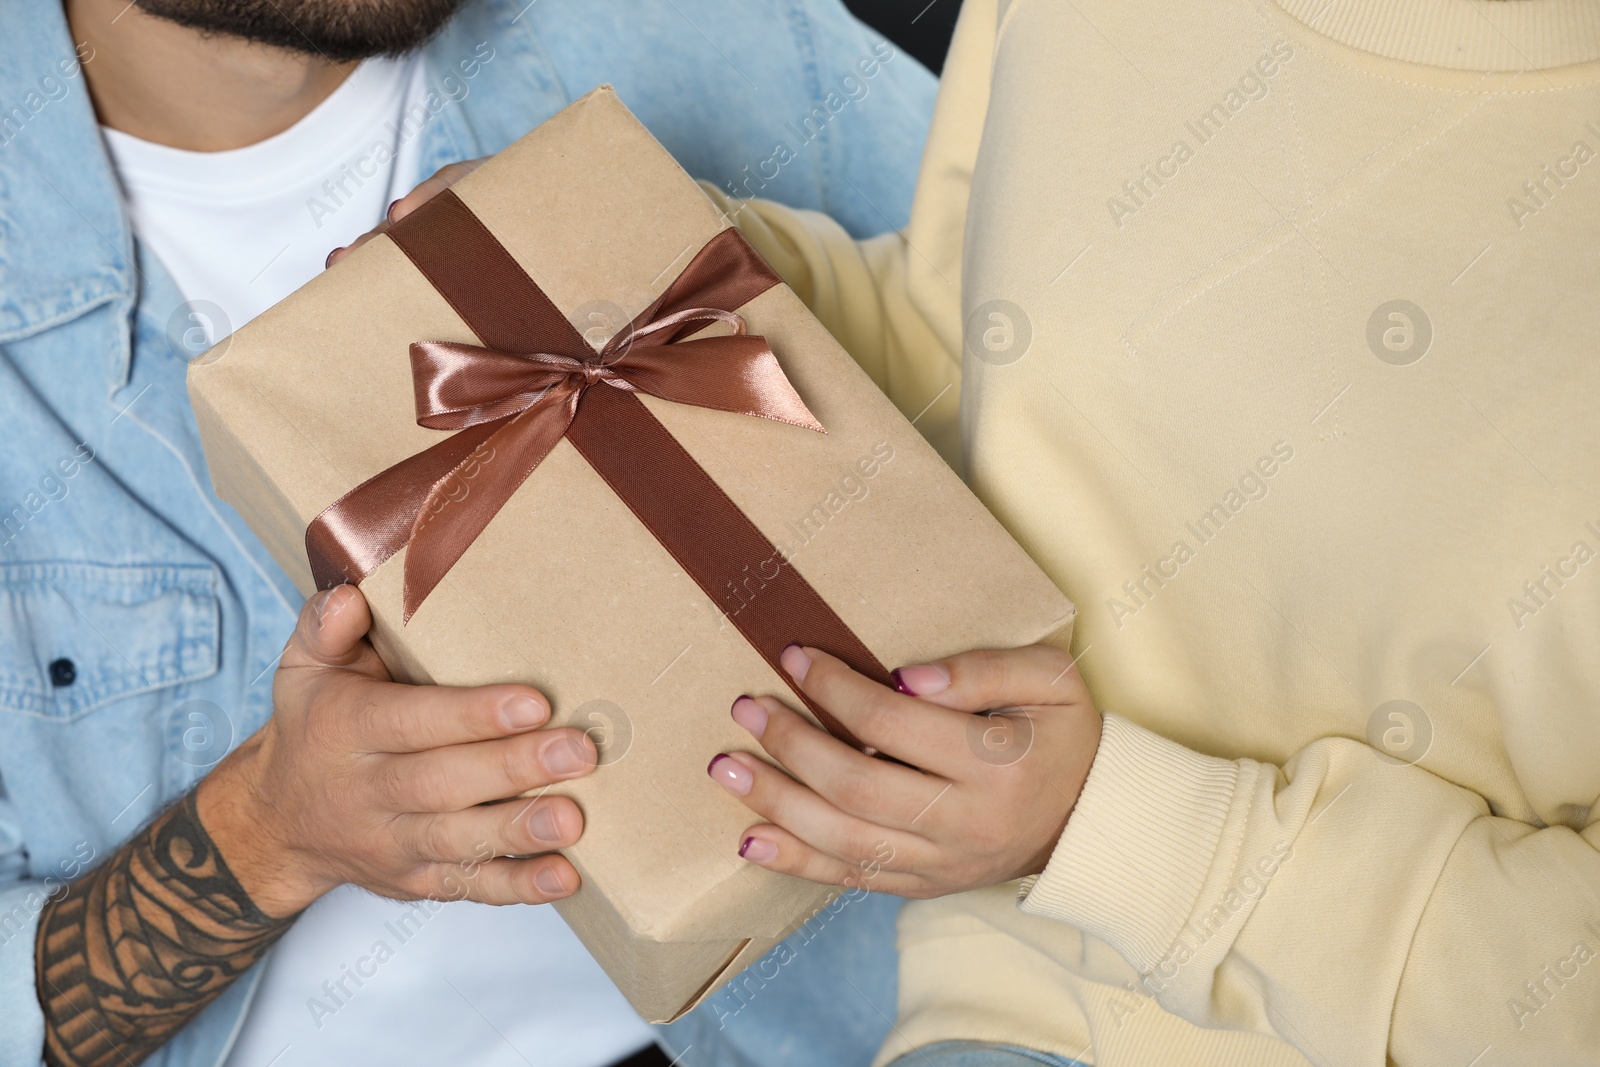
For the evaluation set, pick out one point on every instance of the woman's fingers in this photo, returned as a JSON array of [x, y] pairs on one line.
[[873, 789], [777, 849], [988, 679], [773, 795], [910, 730]]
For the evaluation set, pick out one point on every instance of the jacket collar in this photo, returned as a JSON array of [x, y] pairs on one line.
[[65, 245], [512, 88]]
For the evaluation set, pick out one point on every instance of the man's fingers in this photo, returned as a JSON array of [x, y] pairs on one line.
[[499, 881], [461, 776], [873, 789], [372, 714], [442, 179], [391, 718], [330, 631], [910, 730], [989, 679], [519, 827]]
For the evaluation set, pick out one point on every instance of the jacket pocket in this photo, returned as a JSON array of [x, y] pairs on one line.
[[77, 636]]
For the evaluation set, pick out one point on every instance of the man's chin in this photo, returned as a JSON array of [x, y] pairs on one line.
[[338, 30]]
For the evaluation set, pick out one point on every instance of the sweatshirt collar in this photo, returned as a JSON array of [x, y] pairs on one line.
[[1476, 35]]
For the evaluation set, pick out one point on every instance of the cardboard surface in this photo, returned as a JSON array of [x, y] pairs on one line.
[[565, 590]]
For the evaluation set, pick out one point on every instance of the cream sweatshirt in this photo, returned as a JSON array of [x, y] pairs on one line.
[[1280, 322]]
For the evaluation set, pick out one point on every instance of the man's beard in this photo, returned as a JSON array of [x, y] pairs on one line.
[[338, 30]]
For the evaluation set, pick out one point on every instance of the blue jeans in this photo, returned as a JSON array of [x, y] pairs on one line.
[[826, 997], [979, 1054]]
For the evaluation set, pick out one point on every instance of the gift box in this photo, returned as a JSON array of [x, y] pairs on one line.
[[567, 429]]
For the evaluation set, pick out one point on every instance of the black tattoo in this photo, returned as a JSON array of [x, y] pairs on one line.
[[138, 946]]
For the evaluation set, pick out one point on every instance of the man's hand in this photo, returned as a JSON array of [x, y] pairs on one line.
[[442, 179], [983, 800], [399, 789], [353, 779]]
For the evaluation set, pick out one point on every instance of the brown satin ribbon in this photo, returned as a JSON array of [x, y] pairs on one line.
[[537, 380]]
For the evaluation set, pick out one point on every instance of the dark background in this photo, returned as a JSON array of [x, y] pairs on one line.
[[920, 27]]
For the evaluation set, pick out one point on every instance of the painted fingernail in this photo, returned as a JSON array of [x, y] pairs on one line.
[[758, 850], [751, 715], [563, 756], [732, 775], [549, 881], [521, 713], [921, 681], [796, 662], [542, 824], [329, 261], [388, 212]]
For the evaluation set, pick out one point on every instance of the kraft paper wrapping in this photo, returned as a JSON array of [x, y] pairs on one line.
[[565, 590]]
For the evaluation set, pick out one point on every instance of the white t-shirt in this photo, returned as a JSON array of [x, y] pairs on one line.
[[360, 979]]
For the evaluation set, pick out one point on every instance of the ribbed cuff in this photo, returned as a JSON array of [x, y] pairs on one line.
[[21, 1018], [1135, 854]]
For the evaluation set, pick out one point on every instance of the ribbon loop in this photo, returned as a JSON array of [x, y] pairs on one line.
[[634, 334], [459, 385]]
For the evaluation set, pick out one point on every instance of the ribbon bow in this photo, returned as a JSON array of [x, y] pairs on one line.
[[510, 404]]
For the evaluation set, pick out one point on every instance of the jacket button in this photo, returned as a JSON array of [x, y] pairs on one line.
[[62, 672]]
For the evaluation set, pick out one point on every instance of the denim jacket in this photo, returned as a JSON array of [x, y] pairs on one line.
[[140, 619]]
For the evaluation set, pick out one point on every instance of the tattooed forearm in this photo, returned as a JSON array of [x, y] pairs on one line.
[[139, 946]]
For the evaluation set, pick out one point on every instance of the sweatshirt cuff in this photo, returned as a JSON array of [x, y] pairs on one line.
[[1131, 864], [21, 1018]]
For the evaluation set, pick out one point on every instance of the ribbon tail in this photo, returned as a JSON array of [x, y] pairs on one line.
[[459, 504], [355, 534]]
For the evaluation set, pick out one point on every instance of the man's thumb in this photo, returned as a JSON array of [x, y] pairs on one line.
[[330, 630]]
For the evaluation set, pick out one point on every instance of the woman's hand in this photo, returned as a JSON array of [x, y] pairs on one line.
[[983, 800]]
